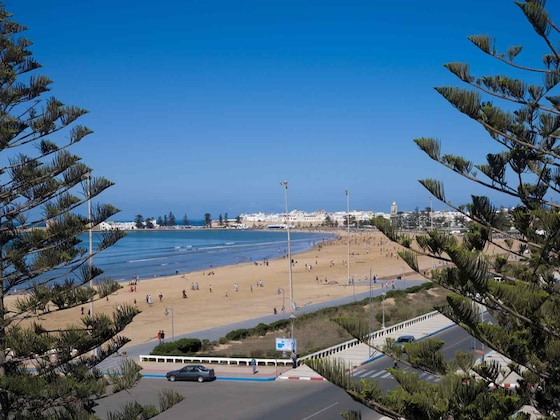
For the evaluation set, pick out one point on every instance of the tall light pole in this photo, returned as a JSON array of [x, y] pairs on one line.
[[348, 239], [90, 259], [90, 256], [383, 310], [431, 211], [285, 185], [371, 349], [293, 318]]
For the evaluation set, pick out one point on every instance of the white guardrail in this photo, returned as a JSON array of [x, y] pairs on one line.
[[217, 360], [285, 362]]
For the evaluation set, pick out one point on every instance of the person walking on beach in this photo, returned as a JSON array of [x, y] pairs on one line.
[[162, 336], [159, 336]]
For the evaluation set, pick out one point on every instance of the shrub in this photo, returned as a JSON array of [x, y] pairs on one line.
[[396, 294], [207, 345], [180, 347], [238, 334], [260, 330], [164, 349], [188, 345], [280, 324]]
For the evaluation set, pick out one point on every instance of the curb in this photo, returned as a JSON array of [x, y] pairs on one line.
[[245, 379], [303, 378], [218, 378]]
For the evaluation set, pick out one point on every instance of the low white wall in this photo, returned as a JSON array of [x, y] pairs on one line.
[[246, 361]]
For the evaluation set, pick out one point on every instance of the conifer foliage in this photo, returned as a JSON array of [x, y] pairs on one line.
[[517, 283], [44, 190]]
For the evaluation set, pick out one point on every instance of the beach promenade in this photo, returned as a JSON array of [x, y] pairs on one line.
[[354, 356]]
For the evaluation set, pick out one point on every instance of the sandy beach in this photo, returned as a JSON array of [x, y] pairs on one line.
[[233, 293]]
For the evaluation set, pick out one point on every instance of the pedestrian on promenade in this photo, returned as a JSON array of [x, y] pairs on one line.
[[254, 365], [162, 336], [159, 336]]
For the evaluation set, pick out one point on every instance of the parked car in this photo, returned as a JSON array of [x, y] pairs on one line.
[[191, 373]]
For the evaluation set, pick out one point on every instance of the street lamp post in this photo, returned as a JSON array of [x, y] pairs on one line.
[[383, 310], [167, 311], [371, 349], [348, 240], [294, 347], [431, 211], [90, 256], [285, 185], [90, 237]]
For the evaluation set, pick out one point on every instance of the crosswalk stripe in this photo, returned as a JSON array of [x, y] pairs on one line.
[[377, 374], [383, 374]]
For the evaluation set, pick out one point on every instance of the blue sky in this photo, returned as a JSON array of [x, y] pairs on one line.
[[205, 106]]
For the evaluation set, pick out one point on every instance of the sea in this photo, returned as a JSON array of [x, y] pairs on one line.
[[153, 253]]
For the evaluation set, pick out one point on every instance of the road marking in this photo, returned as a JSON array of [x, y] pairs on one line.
[[320, 411], [383, 374], [379, 373]]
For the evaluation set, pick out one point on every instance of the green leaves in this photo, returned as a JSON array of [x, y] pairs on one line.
[[466, 101]]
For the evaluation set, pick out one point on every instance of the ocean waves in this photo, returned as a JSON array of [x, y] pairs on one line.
[[149, 254]]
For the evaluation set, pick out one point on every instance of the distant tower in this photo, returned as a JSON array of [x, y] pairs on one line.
[[394, 210], [394, 214]]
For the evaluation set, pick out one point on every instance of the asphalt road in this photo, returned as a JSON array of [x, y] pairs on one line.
[[455, 338], [232, 400]]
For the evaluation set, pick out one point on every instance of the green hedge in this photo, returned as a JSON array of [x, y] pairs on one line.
[[239, 334], [181, 347]]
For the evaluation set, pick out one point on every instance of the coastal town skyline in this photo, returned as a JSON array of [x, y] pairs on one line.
[[197, 104], [426, 217]]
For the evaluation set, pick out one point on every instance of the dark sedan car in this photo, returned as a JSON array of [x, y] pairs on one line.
[[191, 373], [403, 339]]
